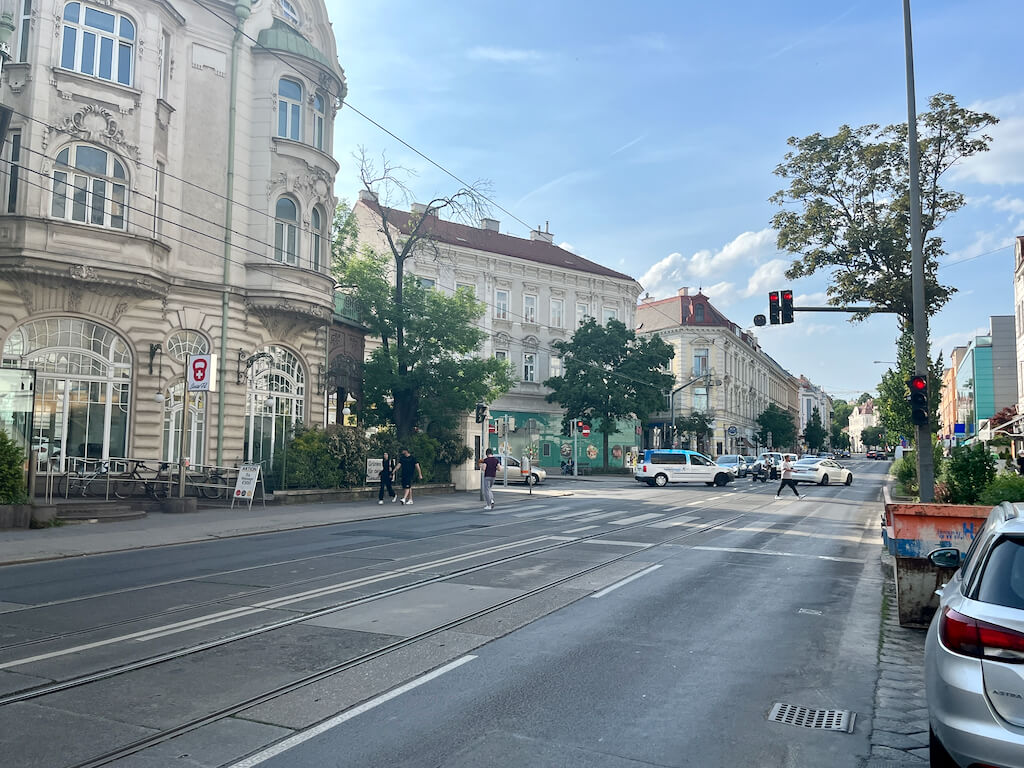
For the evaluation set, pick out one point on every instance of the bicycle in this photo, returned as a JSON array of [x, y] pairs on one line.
[[80, 482], [155, 487], [214, 484]]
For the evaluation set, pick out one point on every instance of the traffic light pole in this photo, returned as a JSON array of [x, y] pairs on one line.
[[925, 464]]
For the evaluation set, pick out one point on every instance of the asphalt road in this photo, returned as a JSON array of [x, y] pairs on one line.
[[621, 626]]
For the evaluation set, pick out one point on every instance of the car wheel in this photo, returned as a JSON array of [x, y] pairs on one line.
[[824, 480], [536, 479], [661, 480], [849, 479], [938, 757], [721, 479], [710, 484]]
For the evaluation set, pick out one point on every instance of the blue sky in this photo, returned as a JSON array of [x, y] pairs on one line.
[[646, 134]]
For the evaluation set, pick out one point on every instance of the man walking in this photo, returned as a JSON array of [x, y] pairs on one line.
[[409, 469], [490, 465], [787, 479]]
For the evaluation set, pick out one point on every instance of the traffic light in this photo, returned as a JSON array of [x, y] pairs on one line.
[[918, 400], [773, 307], [787, 306], [481, 413]]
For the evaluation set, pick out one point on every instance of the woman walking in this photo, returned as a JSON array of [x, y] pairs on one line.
[[787, 479], [386, 473]]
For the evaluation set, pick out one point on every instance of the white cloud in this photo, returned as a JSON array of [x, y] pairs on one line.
[[1013, 205], [628, 144], [983, 243], [669, 274], [767, 277], [1004, 162], [504, 55], [957, 339], [811, 299]]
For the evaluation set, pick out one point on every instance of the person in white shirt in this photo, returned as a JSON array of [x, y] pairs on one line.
[[787, 479]]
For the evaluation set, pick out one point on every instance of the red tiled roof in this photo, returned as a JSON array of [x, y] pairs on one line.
[[684, 311], [538, 251]]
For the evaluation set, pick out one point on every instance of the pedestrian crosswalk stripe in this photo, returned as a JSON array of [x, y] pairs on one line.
[[637, 519], [584, 528], [589, 518], [577, 513], [671, 522]]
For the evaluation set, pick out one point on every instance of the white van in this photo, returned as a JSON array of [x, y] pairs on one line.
[[661, 467]]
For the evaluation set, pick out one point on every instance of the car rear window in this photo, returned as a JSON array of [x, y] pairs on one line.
[[1002, 581], [668, 458]]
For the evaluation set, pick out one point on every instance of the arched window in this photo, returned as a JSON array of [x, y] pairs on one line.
[[289, 11], [275, 403], [318, 122], [97, 42], [289, 109], [180, 345], [89, 186], [286, 231], [316, 257], [83, 388]]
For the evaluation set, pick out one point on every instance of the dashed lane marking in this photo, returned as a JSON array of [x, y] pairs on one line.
[[773, 553], [672, 522], [638, 519], [625, 581], [584, 528]]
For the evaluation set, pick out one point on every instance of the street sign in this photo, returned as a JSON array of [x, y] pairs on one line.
[[245, 485], [732, 431], [492, 428], [373, 469], [585, 430], [200, 373]]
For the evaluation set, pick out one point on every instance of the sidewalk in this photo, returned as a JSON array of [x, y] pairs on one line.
[[210, 523]]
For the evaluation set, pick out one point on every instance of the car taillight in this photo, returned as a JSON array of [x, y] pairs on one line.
[[645, 468], [980, 639]]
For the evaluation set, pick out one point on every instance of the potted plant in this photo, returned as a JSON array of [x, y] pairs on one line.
[[15, 511]]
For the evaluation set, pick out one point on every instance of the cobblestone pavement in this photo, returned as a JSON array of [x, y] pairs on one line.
[[899, 736]]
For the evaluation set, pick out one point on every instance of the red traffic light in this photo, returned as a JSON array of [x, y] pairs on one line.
[[918, 382], [787, 295]]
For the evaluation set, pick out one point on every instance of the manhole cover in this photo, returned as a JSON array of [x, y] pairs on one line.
[[824, 719]]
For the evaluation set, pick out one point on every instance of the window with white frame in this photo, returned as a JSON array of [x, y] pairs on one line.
[[529, 308], [609, 313], [318, 121], [556, 366], [582, 313], [529, 366], [700, 399], [289, 109], [13, 171], [289, 11], [468, 287], [501, 354], [158, 199], [700, 362], [316, 224], [286, 231], [165, 65], [90, 186], [501, 305], [24, 29], [556, 313], [98, 43], [426, 282]]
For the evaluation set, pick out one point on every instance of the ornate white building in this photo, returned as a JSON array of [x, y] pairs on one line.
[[744, 379], [861, 417], [812, 396], [168, 189]]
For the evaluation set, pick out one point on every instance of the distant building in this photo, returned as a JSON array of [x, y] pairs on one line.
[[743, 378], [812, 396], [861, 417], [1017, 428], [948, 402], [536, 293], [986, 379]]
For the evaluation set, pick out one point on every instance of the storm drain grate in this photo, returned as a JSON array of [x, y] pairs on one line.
[[824, 719]]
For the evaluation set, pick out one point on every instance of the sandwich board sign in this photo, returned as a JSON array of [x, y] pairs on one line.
[[245, 485]]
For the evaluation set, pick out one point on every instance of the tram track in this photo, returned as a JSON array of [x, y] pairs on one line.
[[323, 674]]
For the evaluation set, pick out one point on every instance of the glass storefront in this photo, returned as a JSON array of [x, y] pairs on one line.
[[275, 402], [17, 388]]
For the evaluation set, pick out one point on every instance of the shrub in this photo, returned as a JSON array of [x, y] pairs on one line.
[[968, 472], [942, 493], [321, 458], [436, 453], [1004, 487], [12, 471], [905, 471]]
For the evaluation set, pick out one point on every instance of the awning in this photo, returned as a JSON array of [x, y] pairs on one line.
[[1007, 427]]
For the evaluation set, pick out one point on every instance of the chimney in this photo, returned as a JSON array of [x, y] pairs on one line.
[[419, 208], [684, 291], [545, 236], [491, 225], [366, 196]]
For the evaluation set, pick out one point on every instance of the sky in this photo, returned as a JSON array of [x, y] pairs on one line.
[[647, 134]]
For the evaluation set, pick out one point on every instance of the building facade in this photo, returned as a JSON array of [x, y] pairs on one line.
[[948, 398], [986, 378], [712, 350], [535, 294], [814, 397], [861, 417], [168, 191]]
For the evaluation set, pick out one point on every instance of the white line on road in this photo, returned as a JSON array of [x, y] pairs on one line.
[[638, 519], [591, 517], [326, 725], [615, 543], [741, 550], [625, 581], [584, 528], [566, 515], [672, 522]]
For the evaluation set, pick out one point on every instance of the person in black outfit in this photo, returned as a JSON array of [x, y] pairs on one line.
[[1020, 462], [410, 471], [386, 473]]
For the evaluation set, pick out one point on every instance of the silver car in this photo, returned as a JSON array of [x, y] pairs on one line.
[[974, 650]]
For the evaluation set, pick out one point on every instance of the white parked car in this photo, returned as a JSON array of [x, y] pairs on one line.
[[661, 467], [821, 471], [536, 475]]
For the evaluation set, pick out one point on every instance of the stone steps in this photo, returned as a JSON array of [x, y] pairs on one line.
[[99, 511]]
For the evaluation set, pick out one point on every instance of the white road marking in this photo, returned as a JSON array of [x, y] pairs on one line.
[[672, 522], [615, 543], [809, 612], [510, 507], [536, 513], [577, 513], [326, 725], [584, 528], [600, 516], [714, 498], [742, 550], [638, 519], [625, 581]]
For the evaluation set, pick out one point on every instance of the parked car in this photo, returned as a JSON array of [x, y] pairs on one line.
[[974, 649], [515, 472], [821, 471], [733, 460], [661, 467], [869, 455], [773, 460]]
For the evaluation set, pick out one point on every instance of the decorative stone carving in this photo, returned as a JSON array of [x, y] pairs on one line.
[[82, 272], [277, 182], [74, 299], [96, 124], [119, 310]]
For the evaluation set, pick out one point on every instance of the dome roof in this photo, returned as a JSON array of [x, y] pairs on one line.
[[282, 37]]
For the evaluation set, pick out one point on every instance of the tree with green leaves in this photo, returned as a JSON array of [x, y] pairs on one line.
[[779, 423], [865, 396], [838, 439], [892, 403], [434, 374], [610, 374], [841, 411], [873, 437], [699, 424], [846, 209], [814, 432]]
